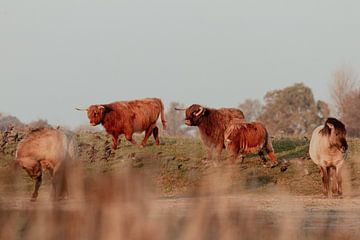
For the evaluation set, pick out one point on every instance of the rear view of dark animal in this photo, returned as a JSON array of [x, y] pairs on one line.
[[328, 149], [128, 117], [247, 138], [46, 149], [212, 124]]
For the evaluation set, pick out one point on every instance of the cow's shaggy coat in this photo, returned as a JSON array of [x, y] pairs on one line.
[[128, 117], [47, 149], [246, 138]]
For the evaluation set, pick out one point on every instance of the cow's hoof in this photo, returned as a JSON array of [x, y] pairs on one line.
[[33, 200], [283, 168], [284, 165], [326, 195], [274, 165]]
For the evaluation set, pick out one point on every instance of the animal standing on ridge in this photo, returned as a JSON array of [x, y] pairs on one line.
[[247, 138], [128, 117], [328, 149], [212, 124], [46, 149]]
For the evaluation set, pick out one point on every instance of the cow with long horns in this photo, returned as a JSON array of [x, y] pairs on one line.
[[128, 117], [328, 149], [212, 124]]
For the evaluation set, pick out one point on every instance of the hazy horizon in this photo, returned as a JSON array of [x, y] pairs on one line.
[[56, 56]]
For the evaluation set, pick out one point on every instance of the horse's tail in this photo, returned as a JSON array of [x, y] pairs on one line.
[[162, 114]]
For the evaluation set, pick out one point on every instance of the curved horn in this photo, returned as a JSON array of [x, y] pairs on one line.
[[81, 109], [201, 110], [180, 109]]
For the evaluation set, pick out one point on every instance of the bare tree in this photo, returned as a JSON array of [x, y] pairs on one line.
[[345, 91], [345, 80], [350, 114], [175, 120], [251, 108]]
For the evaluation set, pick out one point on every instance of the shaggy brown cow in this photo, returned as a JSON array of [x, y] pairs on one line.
[[128, 117], [212, 124], [328, 149], [46, 149], [246, 138]]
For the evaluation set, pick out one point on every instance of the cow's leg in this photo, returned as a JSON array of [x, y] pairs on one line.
[[147, 135], [325, 180], [38, 181], [218, 150], [156, 135], [61, 181], [233, 150], [128, 137], [115, 141], [57, 185], [36, 174], [262, 157], [270, 151], [60, 185], [209, 151]]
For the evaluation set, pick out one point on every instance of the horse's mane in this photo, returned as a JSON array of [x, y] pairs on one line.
[[339, 126]]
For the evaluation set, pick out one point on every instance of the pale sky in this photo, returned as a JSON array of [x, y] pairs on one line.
[[57, 55]]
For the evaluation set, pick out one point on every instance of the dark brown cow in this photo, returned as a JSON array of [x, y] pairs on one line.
[[212, 124], [128, 117], [247, 138]]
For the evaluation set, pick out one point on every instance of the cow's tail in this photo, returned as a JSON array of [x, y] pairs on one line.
[[269, 148], [163, 121]]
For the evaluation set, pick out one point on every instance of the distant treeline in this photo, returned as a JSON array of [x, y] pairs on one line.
[[9, 121], [289, 111], [293, 110]]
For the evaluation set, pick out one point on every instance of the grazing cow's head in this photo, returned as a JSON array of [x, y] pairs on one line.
[[194, 115], [336, 132], [96, 114]]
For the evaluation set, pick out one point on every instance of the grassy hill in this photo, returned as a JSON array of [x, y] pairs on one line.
[[167, 192], [177, 168]]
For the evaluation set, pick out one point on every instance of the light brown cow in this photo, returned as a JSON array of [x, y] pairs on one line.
[[246, 138], [128, 117], [46, 149], [212, 124], [328, 149]]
